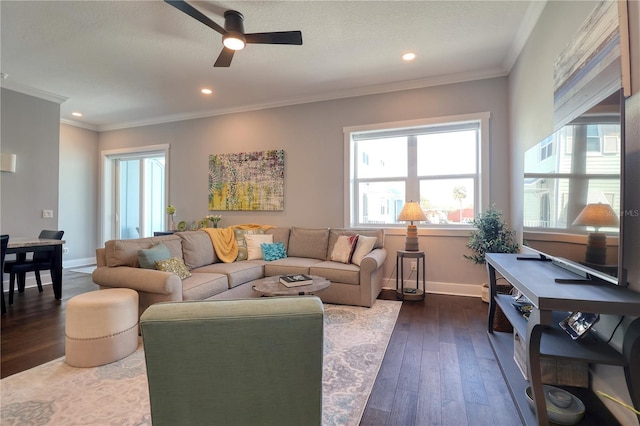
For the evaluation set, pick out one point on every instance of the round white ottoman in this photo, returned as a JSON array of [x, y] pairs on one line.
[[101, 327]]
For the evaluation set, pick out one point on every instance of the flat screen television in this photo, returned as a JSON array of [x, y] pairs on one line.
[[579, 165]]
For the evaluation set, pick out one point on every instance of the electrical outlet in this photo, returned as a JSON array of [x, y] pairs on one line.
[[413, 265], [65, 250], [47, 214]]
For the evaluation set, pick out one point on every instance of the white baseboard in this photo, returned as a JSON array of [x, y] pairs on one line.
[[453, 289], [76, 263]]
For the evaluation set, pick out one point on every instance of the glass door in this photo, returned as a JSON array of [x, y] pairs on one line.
[[134, 193]]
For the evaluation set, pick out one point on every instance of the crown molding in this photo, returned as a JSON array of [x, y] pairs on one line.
[[350, 93], [32, 91], [78, 124], [526, 27]]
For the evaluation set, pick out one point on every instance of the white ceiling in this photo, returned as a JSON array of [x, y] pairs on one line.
[[127, 63]]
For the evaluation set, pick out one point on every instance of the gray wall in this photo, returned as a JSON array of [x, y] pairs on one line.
[[531, 119], [311, 135], [30, 129], [79, 194]]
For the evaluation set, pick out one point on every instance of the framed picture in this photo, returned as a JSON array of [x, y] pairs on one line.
[[247, 181]]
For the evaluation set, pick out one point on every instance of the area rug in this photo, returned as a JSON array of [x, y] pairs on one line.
[[355, 341]]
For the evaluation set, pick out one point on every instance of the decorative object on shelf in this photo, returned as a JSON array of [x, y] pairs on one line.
[[182, 226], [171, 210], [492, 235], [247, 181], [213, 219], [562, 407], [412, 211], [577, 324], [597, 215]]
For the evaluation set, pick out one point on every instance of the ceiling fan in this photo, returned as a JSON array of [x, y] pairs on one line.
[[233, 36]]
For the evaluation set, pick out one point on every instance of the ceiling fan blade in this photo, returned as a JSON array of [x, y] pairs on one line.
[[225, 57], [278, 37], [195, 14]]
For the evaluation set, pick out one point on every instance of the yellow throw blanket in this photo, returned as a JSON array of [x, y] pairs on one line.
[[224, 240], [224, 243]]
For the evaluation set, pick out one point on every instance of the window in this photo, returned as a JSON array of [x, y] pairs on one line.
[[437, 162], [134, 192]]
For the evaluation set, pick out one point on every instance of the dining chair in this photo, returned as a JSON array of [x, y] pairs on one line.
[[41, 261], [4, 242]]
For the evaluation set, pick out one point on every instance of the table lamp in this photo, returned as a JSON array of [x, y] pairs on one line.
[[411, 212], [597, 215]]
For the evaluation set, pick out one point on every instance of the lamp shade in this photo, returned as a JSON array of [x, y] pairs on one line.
[[597, 215], [8, 162], [412, 211]]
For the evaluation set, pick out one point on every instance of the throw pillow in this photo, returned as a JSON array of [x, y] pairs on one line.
[[344, 248], [149, 257], [273, 251], [254, 250], [240, 234], [363, 248], [174, 265]]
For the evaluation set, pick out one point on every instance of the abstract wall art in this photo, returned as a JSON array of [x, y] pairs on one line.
[[247, 181]]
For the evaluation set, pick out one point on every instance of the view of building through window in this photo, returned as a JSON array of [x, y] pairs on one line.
[[577, 165], [436, 165]]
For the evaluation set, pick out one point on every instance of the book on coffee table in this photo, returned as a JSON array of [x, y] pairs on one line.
[[295, 280]]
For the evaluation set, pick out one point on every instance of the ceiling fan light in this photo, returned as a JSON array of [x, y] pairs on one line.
[[233, 42]]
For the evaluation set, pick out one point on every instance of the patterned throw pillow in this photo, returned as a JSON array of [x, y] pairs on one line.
[[243, 252], [174, 265], [344, 248], [273, 251]]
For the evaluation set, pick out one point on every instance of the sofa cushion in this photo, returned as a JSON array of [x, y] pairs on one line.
[[237, 272], [148, 257], [273, 251], [308, 242], [280, 235], [343, 248], [254, 242], [197, 249], [201, 286], [337, 272], [125, 252], [289, 265]]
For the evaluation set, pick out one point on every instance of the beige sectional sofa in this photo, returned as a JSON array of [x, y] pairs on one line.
[[308, 251]]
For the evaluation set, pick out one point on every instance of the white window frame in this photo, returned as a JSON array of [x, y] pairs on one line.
[[482, 191], [108, 178]]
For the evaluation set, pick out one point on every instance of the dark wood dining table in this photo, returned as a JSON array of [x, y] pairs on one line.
[[21, 246]]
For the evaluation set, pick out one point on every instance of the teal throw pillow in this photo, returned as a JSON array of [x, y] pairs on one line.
[[273, 251], [149, 257]]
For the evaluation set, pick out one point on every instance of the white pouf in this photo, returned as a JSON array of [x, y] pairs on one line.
[[101, 327]]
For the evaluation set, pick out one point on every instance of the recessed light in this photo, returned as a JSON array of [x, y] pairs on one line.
[[206, 91], [409, 56], [76, 114]]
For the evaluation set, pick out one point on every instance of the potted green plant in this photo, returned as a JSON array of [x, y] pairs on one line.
[[492, 235]]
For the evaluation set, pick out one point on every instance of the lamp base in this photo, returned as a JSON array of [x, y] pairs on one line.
[[597, 248], [411, 242]]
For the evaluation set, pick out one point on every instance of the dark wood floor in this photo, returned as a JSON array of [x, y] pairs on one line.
[[438, 369]]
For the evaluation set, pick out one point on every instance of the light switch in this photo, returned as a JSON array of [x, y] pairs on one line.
[[47, 214]]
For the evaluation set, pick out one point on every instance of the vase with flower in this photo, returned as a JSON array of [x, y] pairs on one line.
[[171, 210], [214, 219]]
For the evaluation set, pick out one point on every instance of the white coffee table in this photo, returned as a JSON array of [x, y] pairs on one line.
[[271, 286]]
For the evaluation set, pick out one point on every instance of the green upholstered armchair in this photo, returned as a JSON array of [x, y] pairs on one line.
[[235, 362]]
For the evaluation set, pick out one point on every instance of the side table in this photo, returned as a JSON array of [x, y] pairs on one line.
[[409, 294]]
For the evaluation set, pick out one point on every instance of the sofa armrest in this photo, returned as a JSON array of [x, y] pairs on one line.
[[373, 261], [139, 279]]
